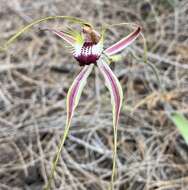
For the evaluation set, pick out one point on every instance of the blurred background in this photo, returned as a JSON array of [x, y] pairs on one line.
[[37, 70]]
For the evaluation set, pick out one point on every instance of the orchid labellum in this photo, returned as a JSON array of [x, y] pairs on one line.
[[87, 48]]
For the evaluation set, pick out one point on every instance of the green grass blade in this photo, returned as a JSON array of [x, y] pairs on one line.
[[181, 123]]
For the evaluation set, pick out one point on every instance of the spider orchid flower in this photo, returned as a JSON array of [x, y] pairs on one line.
[[87, 49]]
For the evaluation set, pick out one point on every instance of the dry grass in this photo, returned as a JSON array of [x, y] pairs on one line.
[[36, 72]]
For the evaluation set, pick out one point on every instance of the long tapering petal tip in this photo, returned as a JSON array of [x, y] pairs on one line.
[[66, 37], [116, 93], [123, 43]]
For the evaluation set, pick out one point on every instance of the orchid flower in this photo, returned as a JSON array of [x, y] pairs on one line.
[[87, 48]]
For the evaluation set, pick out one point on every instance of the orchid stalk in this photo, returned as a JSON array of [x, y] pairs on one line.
[[87, 48]]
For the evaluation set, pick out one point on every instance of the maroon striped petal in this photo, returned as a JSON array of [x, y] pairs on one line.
[[123, 43], [68, 38], [114, 87], [75, 91], [73, 97], [116, 93]]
